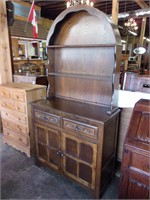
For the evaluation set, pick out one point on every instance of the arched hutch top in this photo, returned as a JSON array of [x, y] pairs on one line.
[[83, 47]]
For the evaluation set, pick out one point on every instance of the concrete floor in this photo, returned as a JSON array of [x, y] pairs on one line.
[[21, 179]]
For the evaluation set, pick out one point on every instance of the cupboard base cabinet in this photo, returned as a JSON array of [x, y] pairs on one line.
[[16, 113], [135, 167], [76, 139]]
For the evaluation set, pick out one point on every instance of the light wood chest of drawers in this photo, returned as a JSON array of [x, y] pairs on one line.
[[15, 101]]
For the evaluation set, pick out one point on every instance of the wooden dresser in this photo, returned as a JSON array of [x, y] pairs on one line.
[[16, 113], [76, 128], [135, 166]]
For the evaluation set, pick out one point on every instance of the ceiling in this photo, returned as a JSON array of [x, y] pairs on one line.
[[51, 9]]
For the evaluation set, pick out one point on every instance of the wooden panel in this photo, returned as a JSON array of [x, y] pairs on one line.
[[17, 117], [16, 106], [16, 127], [97, 91], [135, 168], [5, 92], [85, 172], [124, 124], [71, 166], [80, 128], [71, 147], [77, 163], [42, 152], [5, 49], [83, 155], [22, 140], [52, 119], [79, 60], [19, 96]]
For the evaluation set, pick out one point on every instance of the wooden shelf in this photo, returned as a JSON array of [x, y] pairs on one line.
[[83, 76], [81, 46]]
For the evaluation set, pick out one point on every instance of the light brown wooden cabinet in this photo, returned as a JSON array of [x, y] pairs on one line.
[[16, 113]]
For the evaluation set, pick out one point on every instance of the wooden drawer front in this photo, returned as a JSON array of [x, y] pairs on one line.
[[14, 116], [5, 92], [16, 137], [52, 119], [136, 161], [88, 130], [16, 127], [19, 96], [13, 106]]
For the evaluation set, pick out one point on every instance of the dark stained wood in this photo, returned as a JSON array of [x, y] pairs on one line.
[[80, 116], [135, 168]]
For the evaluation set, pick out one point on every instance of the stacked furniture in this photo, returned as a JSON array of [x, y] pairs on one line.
[[76, 127], [135, 166], [16, 113]]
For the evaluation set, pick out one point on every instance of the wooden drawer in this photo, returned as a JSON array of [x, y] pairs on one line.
[[16, 137], [14, 126], [5, 92], [14, 116], [18, 96], [50, 118], [16, 106], [84, 129], [139, 162]]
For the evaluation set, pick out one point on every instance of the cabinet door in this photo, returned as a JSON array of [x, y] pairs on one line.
[[79, 160], [134, 186], [48, 146]]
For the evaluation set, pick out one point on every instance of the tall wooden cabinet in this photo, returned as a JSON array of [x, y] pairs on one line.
[[135, 167], [16, 113], [76, 128]]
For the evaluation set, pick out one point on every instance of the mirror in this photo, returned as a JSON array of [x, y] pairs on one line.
[[139, 50]]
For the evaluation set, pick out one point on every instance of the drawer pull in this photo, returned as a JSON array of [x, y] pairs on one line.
[[3, 93], [17, 97], [6, 123], [45, 118], [17, 108], [20, 139], [78, 128], [7, 133], [19, 119], [4, 104], [19, 129]]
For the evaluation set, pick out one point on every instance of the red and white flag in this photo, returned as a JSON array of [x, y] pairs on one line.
[[32, 18]]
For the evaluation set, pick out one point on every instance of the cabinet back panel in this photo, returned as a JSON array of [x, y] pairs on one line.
[[87, 60], [80, 27], [95, 91]]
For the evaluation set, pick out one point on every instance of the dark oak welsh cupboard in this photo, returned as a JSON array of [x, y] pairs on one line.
[[76, 127]]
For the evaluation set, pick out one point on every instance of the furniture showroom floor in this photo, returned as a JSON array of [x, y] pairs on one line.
[[21, 179]]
